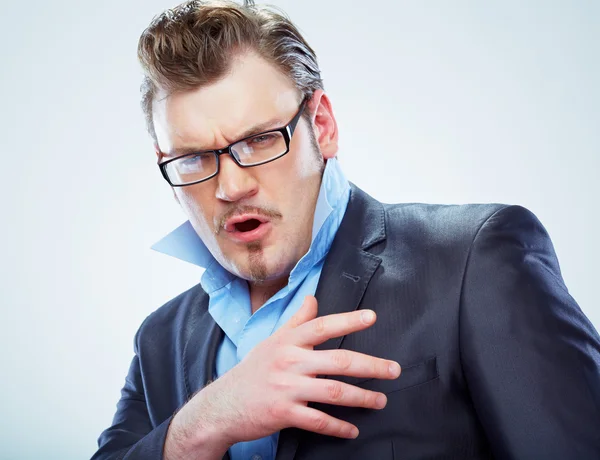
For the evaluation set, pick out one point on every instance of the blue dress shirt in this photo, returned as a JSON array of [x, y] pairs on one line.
[[229, 299]]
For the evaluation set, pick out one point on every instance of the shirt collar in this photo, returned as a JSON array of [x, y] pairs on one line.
[[184, 243]]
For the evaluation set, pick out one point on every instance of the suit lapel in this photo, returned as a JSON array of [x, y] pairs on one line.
[[342, 284], [344, 279], [200, 351]]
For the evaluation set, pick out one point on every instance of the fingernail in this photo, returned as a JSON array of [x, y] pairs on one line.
[[367, 316], [381, 401], [394, 369], [354, 432]]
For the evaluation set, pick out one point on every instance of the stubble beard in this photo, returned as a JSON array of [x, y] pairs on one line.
[[257, 263]]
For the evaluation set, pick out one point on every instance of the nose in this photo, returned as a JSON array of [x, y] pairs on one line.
[[234, 183]]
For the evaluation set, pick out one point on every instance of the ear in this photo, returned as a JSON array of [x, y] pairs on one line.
[[324, 124]]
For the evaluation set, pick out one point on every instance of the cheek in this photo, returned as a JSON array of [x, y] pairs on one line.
[[197, 207], [308, 158], [300, 166]]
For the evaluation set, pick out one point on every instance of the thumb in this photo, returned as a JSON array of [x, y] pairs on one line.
[[307, 311]]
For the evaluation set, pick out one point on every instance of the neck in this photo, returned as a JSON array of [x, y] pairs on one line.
[[261, 292]]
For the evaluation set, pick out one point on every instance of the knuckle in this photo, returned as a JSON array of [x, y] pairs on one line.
[[320, 423], [285, 361], [277, 383], [335, 391], [365, 398], [278, 411], [319, 326], [342, 359]]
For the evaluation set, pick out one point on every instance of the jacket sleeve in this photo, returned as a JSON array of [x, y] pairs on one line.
[[530, 356], [132, 435]]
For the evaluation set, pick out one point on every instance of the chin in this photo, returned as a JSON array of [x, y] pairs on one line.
[[260, 268]]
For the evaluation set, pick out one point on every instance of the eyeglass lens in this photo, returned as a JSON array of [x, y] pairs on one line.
[[252, 151]]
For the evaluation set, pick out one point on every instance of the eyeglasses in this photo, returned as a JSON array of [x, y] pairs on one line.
[[255, 150]]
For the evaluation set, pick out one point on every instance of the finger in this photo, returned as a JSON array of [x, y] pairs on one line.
[[309, 419], [307, 311], [323, 328], [346, 362], [328, 391]]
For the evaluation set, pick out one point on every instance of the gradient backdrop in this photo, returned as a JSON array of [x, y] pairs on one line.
[[445, 102]]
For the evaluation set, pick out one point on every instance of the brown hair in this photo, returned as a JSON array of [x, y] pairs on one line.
[[193, 44]]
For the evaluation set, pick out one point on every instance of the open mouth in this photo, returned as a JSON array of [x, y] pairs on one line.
[[246, 228], [247, 225]]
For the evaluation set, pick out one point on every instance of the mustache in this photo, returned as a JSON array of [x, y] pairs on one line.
[[271, 213]]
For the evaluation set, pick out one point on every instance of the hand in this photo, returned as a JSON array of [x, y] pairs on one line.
[[270, 388]]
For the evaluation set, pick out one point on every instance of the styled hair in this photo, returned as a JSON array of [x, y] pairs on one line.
[[194, 44]]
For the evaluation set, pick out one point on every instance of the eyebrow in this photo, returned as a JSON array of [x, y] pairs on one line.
[[259, 128]]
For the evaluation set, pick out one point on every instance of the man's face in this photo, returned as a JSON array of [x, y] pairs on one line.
[[256, 222]]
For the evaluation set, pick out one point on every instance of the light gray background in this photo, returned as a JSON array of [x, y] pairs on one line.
[[439, 101]]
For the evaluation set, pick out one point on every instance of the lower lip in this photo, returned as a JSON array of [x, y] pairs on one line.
[[253, 235]]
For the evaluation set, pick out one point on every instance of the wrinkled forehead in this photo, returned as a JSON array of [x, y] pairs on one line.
[[253, 92]]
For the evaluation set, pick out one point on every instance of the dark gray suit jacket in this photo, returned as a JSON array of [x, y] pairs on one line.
[[498, 360]]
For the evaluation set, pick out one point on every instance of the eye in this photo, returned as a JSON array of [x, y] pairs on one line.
[[195, 163], [191, 160], [262, 139]]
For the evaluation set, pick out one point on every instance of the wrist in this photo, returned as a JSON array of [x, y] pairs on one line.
[[194, 436]]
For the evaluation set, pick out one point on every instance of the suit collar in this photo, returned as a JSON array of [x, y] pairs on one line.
[[349, 265], [200, 350], [364, 222]]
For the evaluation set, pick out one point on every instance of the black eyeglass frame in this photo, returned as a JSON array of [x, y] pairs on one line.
[[287, 131]]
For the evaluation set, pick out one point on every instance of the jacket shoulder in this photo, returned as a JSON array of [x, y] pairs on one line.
[[441, 224], [175, 317]]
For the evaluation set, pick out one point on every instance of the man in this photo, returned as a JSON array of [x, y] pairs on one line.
[[498, 361]]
